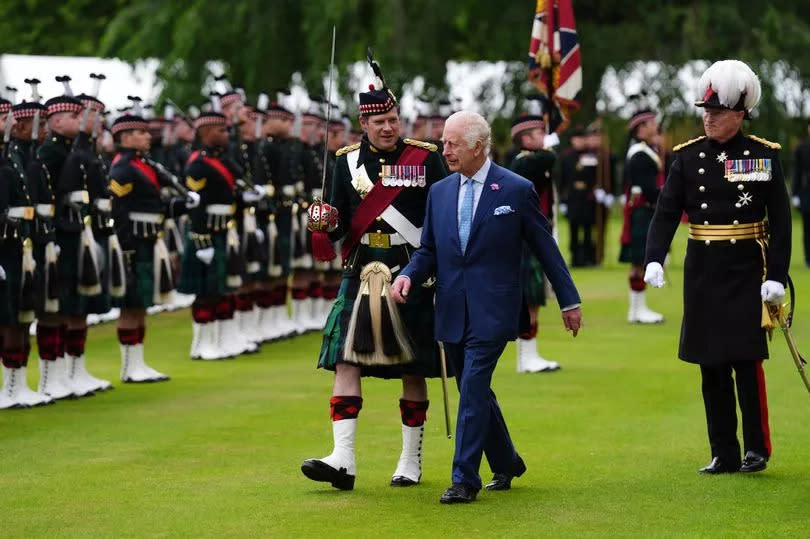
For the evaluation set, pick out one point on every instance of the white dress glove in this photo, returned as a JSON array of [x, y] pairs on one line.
[[599, 194], [205, 255], [192, 200], [654, 275], [609, 200], [251, 195], [772, 291], [2, 274], [563, 208], [796, 201], [260, 235]]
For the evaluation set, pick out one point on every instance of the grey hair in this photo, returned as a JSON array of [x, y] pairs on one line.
[[475, 128]]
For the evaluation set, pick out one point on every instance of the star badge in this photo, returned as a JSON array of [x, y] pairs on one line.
[[721, 157], [745, 198]]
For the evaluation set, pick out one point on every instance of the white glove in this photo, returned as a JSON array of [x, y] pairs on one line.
[[796, 201], [2, 274], [57, 249], [599, 193], [192, 200], [260, 235], [622, 199], [205, 255], [609, 200], [250, 196], [549, 141], [772, 291], [654, 276], [563, 208]]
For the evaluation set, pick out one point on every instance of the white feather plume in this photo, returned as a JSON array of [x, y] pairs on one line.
[[729, 79]]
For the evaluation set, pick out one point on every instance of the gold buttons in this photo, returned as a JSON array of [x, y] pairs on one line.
[[702, 155], [702, 188], [705, 222], [704, 206], [707, 242], [733, 241], [379, 219], [738, 205], [382, 160], [701, 171], [736, 222], [740, 186], [746, 152]]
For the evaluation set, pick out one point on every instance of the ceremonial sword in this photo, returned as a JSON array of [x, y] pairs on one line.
[[443, 358], [785, 322]]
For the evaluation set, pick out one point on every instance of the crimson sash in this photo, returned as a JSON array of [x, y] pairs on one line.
[[379, 198], [217, 165], [147, 171]]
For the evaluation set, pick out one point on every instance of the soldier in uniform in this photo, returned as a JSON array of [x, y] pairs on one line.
[[138, 213], [736, 262], [17, 266], [379, 191], [597, 145], [278, 168], [212, 265], [801, 190], [643, 178], [536, 164]]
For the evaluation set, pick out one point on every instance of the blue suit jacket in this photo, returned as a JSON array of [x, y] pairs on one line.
[[485, 281]]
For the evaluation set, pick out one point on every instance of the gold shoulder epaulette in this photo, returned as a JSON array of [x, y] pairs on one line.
[[768, 143], [421, 144], [347, 149], [523, 153], [688, 143]]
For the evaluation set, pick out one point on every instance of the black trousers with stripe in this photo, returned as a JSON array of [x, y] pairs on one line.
[[721, 409]]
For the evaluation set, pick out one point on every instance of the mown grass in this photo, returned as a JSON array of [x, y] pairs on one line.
[[612, 442]]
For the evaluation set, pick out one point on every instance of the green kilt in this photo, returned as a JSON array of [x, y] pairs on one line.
[[200, 279], [11, 260], [417, 316], [71, 303], [534, 281], [634, 252], [140, 270]]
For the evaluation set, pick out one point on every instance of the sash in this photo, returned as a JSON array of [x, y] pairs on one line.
[[378, 199], [147, 171], [217, 165]]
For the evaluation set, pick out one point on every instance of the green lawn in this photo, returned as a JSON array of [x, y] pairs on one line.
[[612, 442]]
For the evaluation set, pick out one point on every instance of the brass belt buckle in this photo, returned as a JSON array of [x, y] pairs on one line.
[[379, 240], [28, 213]]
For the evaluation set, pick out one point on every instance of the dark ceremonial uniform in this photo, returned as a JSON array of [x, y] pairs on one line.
[[254, 252], [537, 167], [579, 179], [381, 242], [801, 189], [139, 211], [213, 177], [16, 215], [727, 191], [644, 174]]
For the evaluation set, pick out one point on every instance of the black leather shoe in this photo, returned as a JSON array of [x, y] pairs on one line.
[[459, 493], [402, 481], [753, 462], [503, 481], [718, 466], [318, 470]]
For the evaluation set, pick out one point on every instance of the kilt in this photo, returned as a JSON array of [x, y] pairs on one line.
[[11, 260], [102, 303], [261, 275], [283, 247], [140, 270], [417, 316], [71, 303], [534, 281], [200, 279], [722, 306], [634, 251]]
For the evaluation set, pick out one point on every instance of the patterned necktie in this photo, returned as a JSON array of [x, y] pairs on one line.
[[465, 220]]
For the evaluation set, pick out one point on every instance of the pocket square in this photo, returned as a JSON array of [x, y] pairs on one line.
[[503, 210]]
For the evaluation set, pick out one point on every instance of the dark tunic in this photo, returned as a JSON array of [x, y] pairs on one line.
[[418, 313], [13, 231], [641, 170], [535, 166], [722, 303]]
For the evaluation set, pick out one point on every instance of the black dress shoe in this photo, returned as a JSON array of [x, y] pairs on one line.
[[753, 462], [318, 470], [718, 466], [402, 481], [503, 481], [459, 493]]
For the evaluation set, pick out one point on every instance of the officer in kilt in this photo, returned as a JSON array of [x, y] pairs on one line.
[[138, 212], [61, 339], [377, 206], [278, 168], [535, 163], [732, 188], [17, 264], [643, 179], [212, 267]]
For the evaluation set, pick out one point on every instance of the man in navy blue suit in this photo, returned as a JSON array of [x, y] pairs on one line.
[[475, 254]]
